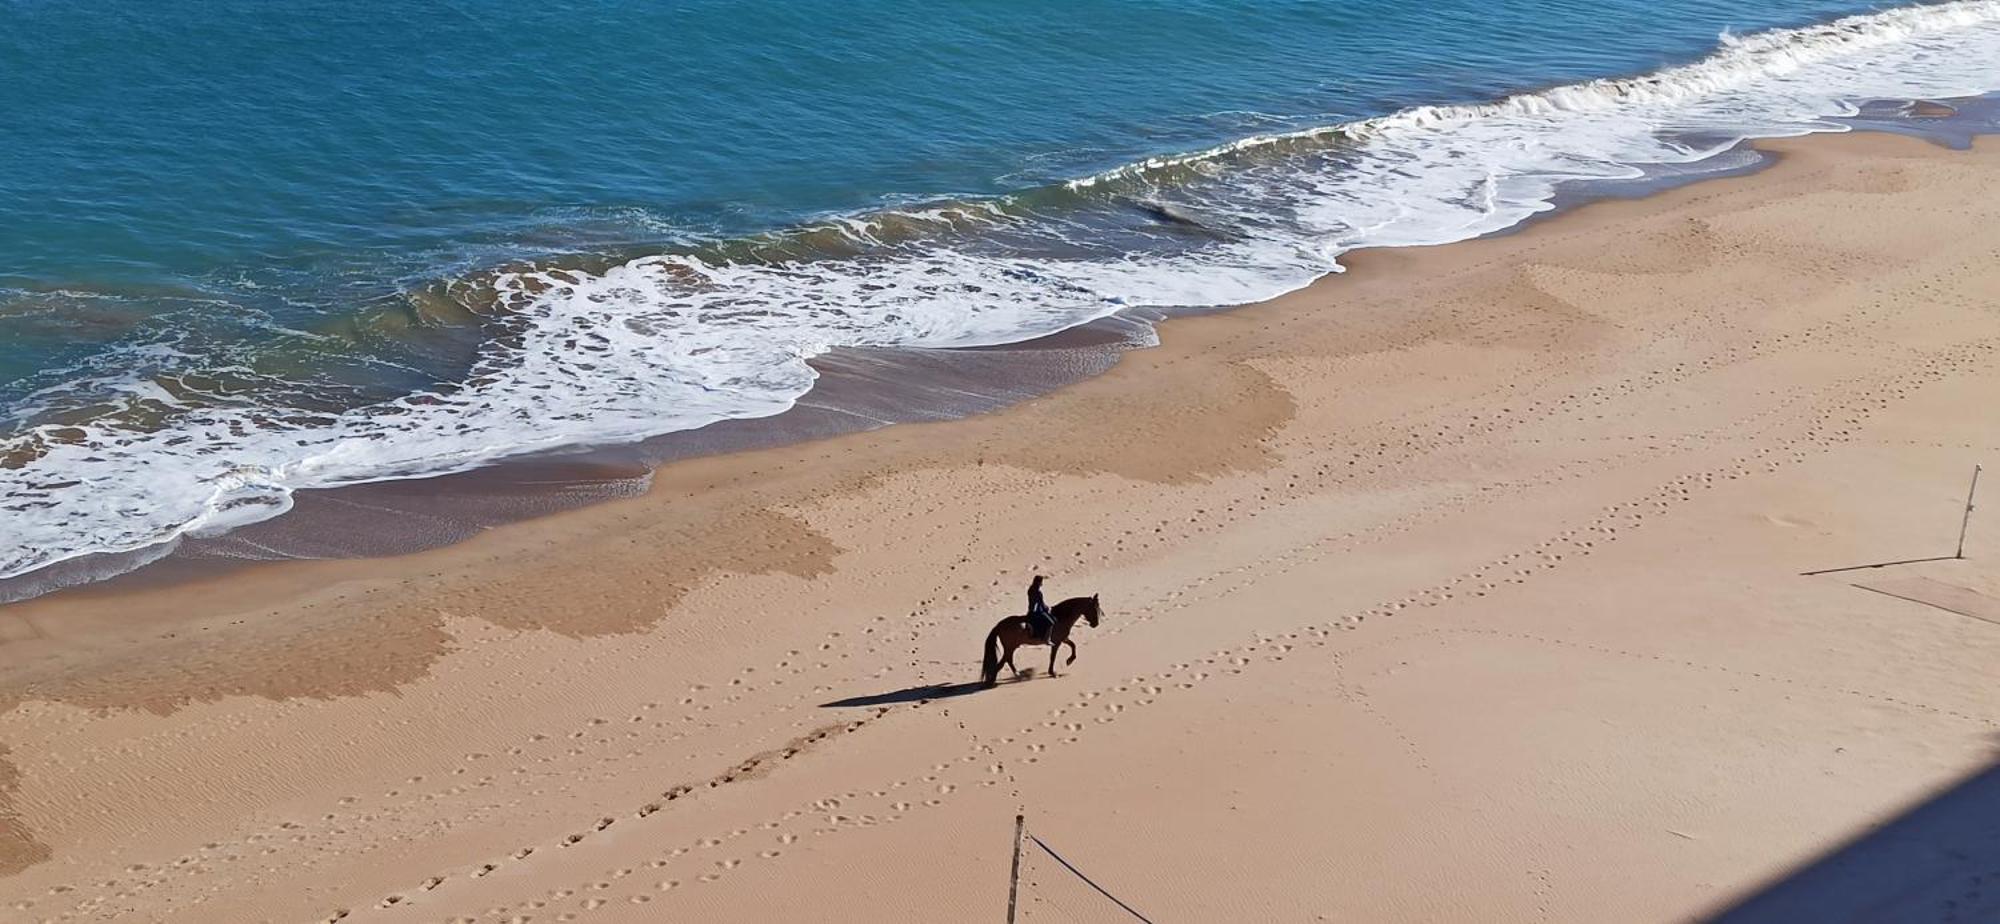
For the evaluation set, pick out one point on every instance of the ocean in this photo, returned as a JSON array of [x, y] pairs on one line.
[[250, 249]]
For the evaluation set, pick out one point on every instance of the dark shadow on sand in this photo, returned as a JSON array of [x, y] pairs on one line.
[[1937, 862], [917, 694]]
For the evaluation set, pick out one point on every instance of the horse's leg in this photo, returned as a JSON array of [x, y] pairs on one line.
[[1072, 651], [1055, 648], [1009, 659]]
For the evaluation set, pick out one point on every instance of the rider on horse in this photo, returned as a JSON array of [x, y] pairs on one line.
[[1044, 625], [1038, 612]]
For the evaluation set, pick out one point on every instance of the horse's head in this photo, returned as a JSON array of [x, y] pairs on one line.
[[1092, 613]]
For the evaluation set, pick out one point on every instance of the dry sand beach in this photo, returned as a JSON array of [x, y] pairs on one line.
[[1465, 587]]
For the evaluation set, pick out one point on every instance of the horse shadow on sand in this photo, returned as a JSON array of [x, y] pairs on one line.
[[921, 694]]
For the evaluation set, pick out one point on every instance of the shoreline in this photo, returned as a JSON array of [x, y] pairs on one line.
[[1352, 520], [318, 522], [857, 389], [844, 394]]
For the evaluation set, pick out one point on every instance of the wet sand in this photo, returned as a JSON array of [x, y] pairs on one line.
[[1467, 586], [857, 389]]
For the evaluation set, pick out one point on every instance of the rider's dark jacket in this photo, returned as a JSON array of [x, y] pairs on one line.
[[1039, 610]]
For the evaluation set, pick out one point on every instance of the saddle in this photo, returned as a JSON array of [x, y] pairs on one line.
[[1038, 629]]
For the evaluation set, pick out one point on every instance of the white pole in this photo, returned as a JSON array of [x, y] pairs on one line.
[[1962, 524]]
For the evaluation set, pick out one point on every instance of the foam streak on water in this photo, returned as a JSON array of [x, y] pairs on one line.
[[676, 341]]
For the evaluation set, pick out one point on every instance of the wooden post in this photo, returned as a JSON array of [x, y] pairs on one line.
[[1962, 524], [1014, 878]]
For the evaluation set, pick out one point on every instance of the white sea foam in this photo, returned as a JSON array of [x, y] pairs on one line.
[[669, 343]]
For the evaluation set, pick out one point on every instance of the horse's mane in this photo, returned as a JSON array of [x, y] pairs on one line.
[[1077, 605]]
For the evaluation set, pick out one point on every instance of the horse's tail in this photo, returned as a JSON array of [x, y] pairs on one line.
[[989, 668]]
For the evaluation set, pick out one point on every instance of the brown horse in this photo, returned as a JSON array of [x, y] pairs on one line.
[[1015, 631]]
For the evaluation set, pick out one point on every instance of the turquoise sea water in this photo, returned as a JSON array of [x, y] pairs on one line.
[[248, 248]]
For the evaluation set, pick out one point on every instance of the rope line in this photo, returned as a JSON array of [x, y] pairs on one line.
[[1087, 880]]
